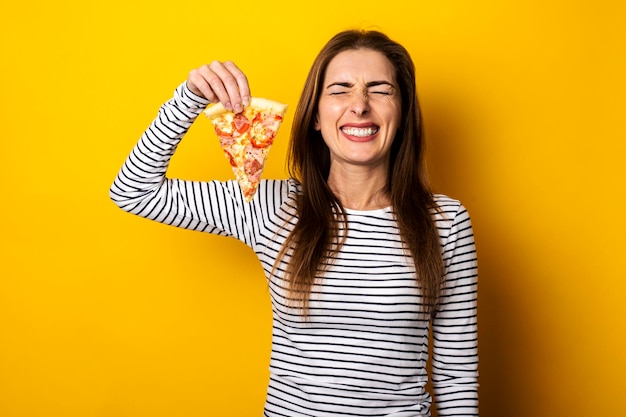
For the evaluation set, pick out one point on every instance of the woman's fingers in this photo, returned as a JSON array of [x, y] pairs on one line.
[[221, 82]]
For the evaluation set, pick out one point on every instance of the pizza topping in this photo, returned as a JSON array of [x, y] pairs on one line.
[[230, 159], [262, 139], [241, 123], [225, 133], [252, 166]]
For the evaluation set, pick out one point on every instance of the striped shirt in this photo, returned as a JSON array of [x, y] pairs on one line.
[[363, 349]]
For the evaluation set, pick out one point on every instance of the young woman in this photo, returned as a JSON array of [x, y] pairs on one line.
[[362, 260]]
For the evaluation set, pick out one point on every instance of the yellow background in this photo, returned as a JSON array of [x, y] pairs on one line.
[[106, 314]]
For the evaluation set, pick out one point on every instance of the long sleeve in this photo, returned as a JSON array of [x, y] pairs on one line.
[[455, 337], [141, 186]]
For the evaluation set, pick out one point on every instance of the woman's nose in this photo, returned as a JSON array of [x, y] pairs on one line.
[[360, 103]]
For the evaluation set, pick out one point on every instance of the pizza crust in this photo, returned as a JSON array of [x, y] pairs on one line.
[[258, 103]]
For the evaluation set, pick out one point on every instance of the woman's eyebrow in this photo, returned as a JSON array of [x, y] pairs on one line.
[[340, 84], [368, 85], [377, 83]]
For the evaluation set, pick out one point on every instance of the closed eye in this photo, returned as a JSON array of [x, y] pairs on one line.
[[383, 88]]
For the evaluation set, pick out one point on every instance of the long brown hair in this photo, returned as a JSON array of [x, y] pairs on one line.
[[315, 239]]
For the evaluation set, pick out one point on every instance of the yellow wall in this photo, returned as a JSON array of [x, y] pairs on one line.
[[106, 314]]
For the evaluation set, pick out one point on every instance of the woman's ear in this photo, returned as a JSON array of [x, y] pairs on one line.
[[316, 123]]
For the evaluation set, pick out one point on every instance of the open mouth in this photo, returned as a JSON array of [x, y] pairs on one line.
[[360, 132]]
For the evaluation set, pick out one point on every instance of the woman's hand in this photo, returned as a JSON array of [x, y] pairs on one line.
[[221, 82]]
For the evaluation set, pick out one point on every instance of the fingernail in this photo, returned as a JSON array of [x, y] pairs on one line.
[[246, 100], [228, 105], [238, 108]]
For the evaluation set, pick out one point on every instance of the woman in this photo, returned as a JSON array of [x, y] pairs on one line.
[[361, 258]]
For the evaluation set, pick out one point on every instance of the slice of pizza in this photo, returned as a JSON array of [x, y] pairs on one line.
[[247, 137]]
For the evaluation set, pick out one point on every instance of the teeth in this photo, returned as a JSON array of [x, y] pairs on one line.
[[359, 132]]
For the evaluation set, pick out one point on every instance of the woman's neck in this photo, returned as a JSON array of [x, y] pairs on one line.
[[361, 188]]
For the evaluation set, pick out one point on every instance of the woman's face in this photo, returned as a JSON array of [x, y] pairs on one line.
[[359, 108]]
